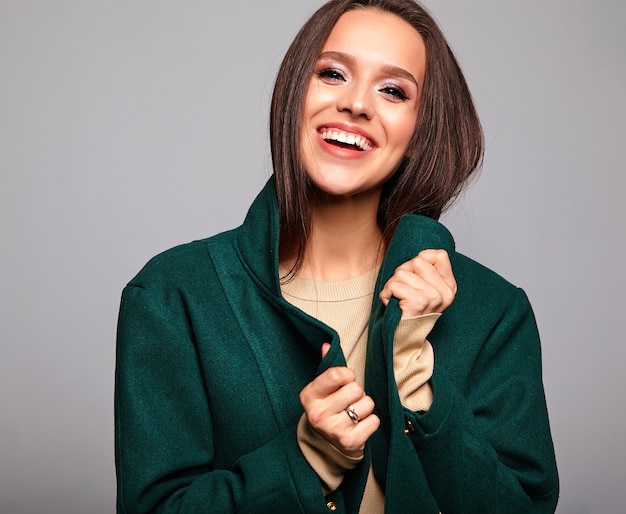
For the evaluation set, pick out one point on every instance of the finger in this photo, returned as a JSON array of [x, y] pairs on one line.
[[423, 265], [433, 255], [427, 281], [403, 276], [415, 302], [325, 348], [363, 407], [329, 409], [349, 394], [352, 439], [366, 427], [441, 262], [438, 275], [329, 382], [405, 280]]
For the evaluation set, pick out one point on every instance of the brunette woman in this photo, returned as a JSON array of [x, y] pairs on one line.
[[335, 353]]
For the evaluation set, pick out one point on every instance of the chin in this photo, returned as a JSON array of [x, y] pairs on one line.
[[345, 191]]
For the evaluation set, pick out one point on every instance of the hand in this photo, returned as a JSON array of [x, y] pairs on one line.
[[325, 401], [423, 285]]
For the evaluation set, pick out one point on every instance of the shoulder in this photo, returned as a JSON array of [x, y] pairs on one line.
[[490, 318], [184, 263], [477, 274], [485, 290]]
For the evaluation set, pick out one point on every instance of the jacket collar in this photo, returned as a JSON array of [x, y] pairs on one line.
[[258, 240], [259, 237]]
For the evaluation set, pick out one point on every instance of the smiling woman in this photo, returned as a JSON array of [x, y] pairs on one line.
[[365, 85], [335, 352]]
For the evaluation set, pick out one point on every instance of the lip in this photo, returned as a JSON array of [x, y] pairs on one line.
[[350, 129]]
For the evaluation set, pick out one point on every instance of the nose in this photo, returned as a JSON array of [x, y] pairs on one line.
[[357, 101]]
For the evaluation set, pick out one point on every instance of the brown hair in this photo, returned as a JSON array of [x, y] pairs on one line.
[[446, 147]]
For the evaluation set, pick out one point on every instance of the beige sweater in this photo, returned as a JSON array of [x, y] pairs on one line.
[[345, 306]]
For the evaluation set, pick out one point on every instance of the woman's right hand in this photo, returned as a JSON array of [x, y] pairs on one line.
[[326, 400]]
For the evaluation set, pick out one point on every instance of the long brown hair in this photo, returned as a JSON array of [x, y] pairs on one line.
[[446, 147]]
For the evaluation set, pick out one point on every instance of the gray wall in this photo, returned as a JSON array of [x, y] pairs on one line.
[[128, 127]]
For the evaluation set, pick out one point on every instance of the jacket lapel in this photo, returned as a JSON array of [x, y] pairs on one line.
[[393, 456]]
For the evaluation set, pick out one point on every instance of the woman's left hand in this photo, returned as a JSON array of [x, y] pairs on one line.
[[423, 285]]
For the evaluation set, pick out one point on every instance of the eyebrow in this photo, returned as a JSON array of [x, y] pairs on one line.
[[388, 69]]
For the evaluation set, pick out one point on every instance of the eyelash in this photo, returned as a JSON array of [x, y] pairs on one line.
[[330, 74], [334, 75], [395, 91]]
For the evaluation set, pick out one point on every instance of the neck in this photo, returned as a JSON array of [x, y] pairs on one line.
[[345, 239]]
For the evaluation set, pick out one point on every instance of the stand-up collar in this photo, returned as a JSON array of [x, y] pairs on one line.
[[258, 240]]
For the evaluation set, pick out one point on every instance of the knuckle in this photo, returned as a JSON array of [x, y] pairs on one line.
[[347, 441], [334, 374], [437, 298], [314, 417], [420, 302], [305, 394], [424, 256], [354, 389], [417, 262], [391, 283]]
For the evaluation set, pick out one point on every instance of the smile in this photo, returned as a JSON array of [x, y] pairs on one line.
[[345, 139]]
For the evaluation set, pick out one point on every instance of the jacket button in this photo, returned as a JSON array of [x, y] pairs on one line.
[[331, 506], [408, 427]]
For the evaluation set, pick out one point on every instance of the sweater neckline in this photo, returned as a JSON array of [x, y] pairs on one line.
[[321, 291]]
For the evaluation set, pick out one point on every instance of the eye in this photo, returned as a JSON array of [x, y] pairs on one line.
[[330, 75], [395, 92]]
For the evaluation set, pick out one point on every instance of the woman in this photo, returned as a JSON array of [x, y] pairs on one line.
[[334, 353]]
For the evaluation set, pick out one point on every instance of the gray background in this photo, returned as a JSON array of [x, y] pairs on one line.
[[127, 127]]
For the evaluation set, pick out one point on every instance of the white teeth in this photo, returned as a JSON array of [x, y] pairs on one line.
[[345, 138]]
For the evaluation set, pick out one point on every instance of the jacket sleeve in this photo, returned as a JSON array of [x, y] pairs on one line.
[[165, 455], [488, 448]]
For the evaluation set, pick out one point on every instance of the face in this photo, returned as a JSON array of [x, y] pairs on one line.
[[362, 101]]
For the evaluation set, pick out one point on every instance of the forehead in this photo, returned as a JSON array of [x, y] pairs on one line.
[[378, 36]]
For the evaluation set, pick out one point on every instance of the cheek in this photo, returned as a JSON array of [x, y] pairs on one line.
[[313, 100], [404, 126]]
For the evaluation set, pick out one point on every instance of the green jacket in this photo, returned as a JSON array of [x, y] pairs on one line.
[[211, 359]]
